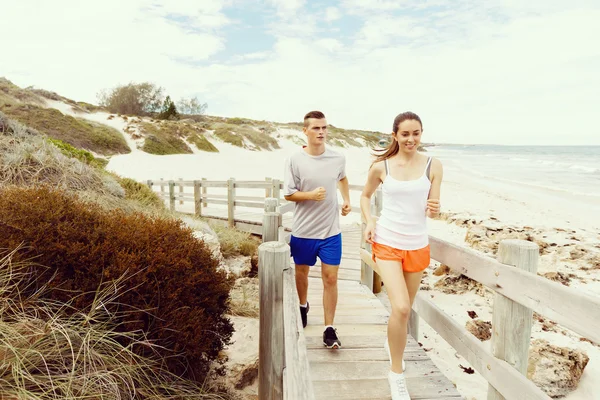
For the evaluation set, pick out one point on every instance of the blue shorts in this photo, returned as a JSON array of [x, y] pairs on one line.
[[306, 251]]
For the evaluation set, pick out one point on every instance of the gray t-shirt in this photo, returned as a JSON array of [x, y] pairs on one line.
[[304, 173]]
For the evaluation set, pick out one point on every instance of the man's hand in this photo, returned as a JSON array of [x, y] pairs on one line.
[[433, 208], [319, 194], [346, 208]]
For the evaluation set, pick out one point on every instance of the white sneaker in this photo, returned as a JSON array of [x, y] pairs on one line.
[[387, 348], [398, 386]]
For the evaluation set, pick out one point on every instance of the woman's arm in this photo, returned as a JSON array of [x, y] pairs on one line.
[[373, 181], [433, 202]]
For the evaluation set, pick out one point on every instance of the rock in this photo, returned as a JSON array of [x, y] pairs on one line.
[[578, 252], [472, 314], [253, 266], [558, 277], [442, 270], [556, 370], [459, 284], [482, 330]]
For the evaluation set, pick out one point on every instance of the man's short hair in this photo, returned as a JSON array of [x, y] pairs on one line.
[[312, 114]]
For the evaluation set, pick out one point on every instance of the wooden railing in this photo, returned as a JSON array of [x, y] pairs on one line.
[[519, 291]]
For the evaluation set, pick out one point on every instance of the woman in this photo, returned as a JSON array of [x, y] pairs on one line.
[[400, 243]]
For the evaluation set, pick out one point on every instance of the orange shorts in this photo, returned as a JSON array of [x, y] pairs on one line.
[[412, 260]]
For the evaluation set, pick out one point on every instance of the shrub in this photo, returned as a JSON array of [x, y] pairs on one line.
[[48, 354], [140, 193], [77, 132], [161, 140], [191, 106], [169, 110], [176, 295], [132, 99], [225, 134], [202, 143], [82, 155], [235, 135]]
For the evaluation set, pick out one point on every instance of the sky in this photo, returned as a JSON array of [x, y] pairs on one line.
[[490, 72]]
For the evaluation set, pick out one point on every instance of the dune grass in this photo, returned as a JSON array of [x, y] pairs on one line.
[[164, 139], [243, 298], [48, 353], [202, 143], [235, 135], [235, 242], [77, 132]]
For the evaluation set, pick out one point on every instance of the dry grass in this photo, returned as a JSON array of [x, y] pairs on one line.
[[79, 133], [50, 354], [235, 242], [13, 92], [243, 298], [202, 143], [28, 159], [235, 134]]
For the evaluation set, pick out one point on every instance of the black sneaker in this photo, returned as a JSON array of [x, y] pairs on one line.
[[330, 339], [304, 314]]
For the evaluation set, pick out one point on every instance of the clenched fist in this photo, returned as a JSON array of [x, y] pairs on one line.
[[319, 194]]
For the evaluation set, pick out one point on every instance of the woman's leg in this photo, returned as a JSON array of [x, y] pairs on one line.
[[391, 273], [413, 282]]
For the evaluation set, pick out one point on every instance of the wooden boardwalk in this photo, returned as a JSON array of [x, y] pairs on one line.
[[359, 369]]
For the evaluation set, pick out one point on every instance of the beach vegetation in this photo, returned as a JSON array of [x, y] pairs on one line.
[[77, 132], [176, 296]]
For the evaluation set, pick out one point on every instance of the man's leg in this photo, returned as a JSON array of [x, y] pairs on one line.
[[329, 274], [302, 282], [330, 253], [304, 253]]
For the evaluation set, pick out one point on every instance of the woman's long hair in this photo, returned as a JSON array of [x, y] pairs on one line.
[[393, 148]]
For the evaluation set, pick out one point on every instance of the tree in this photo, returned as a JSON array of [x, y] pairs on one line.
[[132, 99], [191, 106], [169, 111]]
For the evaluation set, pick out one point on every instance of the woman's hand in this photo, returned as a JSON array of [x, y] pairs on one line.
[[433, 208], [369, 232]]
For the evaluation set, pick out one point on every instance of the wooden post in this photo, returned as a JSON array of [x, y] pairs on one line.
[[197, 199], [377, 206], [149, 183], [273, 259], [271, 221], [162, 187], [276, 190], [172, 195], [511, 322], [231, 202], [204, 193], [268, 190], [180, 191]]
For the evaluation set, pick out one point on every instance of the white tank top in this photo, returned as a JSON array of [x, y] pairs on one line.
[[403, 220]]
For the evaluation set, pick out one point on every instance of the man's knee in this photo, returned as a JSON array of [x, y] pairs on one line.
[[302, 271], [330, 275]]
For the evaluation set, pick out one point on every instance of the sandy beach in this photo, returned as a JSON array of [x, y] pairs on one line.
[[565, 224]]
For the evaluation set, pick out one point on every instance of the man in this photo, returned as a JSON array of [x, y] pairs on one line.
[[312, 176]]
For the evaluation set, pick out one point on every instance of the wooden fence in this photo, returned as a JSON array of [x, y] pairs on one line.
[[519, 291]]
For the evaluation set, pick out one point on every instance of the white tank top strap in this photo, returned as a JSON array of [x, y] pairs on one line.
[[428, 167], [387, 168]]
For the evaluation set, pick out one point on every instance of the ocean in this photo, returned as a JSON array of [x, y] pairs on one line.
[[571, 170]]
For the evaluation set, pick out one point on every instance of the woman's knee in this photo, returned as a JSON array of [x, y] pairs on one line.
[[401, 310]]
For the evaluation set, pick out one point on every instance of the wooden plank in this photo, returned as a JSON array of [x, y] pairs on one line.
[[363, 354], [214, 184], [508, 381], [573, 309], [297, 382], [316, 318], [422, 387], [352, 341], [335, 370]]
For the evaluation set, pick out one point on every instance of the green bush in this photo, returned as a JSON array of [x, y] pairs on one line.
[[80, 154], [175, 295]]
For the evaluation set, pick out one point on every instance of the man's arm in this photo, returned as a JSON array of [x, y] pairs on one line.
[[344, 189], [318, 194]]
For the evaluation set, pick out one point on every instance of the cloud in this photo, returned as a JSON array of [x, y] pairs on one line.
[[332, 14], [502, 71]]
